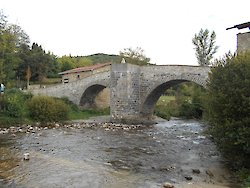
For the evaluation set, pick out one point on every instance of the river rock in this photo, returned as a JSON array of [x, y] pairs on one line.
[[196, 171], [208, 172], [189, 178], [168, 185], [26, 156]]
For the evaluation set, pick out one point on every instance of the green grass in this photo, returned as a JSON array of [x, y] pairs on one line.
[[165, 100], [47, 81], [6, 121]]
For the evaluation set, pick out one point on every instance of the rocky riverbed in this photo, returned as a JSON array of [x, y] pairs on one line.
[[93, 153]]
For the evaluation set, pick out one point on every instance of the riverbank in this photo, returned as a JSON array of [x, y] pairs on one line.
[[94, 153]]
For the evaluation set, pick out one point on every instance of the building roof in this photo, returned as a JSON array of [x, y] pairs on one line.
[[240, 26], [84, 69]]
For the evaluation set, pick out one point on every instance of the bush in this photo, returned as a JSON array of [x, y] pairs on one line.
[[167, 110], [187, 103], [13, 103], [47, 109], [70, 104], [228, 108], [190, 100]]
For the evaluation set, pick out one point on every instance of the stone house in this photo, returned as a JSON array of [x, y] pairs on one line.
[[83, 72]]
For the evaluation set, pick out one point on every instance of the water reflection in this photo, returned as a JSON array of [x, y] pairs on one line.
[[106, 156]]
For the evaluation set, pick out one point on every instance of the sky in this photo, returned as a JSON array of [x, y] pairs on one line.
[[162, 28]]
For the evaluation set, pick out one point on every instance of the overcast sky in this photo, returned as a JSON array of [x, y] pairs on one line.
[[163, 28]]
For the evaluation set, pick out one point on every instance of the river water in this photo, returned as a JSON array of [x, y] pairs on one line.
[[112, 156]]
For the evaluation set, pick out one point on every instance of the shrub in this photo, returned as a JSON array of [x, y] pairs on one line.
[[228, 108], [167, 110], [47, 109], [70, 104], [13, 103]]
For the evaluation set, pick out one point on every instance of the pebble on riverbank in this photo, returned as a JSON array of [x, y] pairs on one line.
[[77, 125], [26, 156], [168, 185]]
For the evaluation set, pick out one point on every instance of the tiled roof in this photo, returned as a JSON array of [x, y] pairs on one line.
[[84, 69], [240, 26]]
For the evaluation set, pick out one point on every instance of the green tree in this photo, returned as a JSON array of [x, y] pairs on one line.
[[204, 46], [12, 37], [40, 62], [134, 56], [8, 55], [228, 108], [66, 63], [25, 56], [54, 67], [83, 61]]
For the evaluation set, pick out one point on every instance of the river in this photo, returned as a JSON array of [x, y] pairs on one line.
[[109, 155]]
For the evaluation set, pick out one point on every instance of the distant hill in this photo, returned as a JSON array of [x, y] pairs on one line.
[[103, 58]]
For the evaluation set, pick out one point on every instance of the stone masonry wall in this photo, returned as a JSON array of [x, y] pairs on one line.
[[74, 90], [243, 42], [156, 79], [125, 96], [71, 77]]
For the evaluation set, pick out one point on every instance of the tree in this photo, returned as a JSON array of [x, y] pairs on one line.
[[40, 62], [66, 62], [204, 46], [135, 56], [12, 37], [83, 61], [228, 108], [28, 76]]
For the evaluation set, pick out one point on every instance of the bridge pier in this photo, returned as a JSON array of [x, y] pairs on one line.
[[125, 93]]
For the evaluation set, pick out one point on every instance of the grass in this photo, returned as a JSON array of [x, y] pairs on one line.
[[165, 100], [47, 81], [6, 121]]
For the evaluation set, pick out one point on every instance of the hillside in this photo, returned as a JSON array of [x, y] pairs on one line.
[[102, 58]]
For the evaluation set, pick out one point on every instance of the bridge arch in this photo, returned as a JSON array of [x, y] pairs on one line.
[[155, 92], [89, 95], [163, 78], [74, 91]]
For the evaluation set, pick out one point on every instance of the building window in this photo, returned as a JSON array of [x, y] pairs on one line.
[[65, 80]]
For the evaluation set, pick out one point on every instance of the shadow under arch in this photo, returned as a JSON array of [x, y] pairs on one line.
[[148, 106], [88, 97]]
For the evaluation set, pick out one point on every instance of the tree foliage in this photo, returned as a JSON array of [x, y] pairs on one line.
[[134, 56], [204, 46], [12, 37], [228, 107]]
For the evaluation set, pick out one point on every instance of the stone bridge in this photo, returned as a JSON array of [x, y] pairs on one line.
[[134, 90]]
